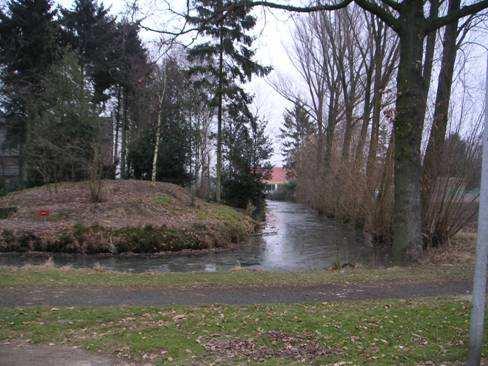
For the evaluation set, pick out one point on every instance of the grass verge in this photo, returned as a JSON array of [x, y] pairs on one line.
[[65, 277], [356, 333]]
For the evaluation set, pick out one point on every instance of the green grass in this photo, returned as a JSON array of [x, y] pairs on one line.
[[162, 199], [53, 277], [369, 333]]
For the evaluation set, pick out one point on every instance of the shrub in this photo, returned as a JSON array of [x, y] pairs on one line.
[[7, 241], [162, 200], [5, 212]]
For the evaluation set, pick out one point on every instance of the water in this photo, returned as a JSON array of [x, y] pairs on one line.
[[294, 238]]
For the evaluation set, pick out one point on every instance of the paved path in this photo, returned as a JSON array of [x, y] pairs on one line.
[[29, 355], [112, 296], [35, 355]]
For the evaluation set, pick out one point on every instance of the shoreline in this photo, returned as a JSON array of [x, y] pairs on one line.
[[168, 253]]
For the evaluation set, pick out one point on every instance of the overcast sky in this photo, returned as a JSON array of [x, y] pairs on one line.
[[273, 37], [273, 43]]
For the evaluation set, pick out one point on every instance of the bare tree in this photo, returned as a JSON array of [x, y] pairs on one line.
[[408, 19], [160, 75]]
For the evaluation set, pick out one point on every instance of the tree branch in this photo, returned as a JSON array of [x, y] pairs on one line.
[[381, 13], [367, 5], [393, 4], [298, 9], [452, 16]]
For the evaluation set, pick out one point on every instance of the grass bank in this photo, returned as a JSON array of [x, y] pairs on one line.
[[355, 333], [37, 276], [133, 217], [454, 262]]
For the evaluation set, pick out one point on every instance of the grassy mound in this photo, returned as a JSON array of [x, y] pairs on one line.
[[134, 216]]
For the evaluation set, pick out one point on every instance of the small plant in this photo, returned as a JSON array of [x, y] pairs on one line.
[[3, 188], [7, 241], [5, 212], [163, 200], [95, 172], [337, 265]]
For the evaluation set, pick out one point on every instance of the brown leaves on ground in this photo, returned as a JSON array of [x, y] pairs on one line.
[[460, 250], [125, 204], [275, 344]]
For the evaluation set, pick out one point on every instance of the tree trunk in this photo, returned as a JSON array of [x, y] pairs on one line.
[[348, 131], [407, 235], [377, 103], [366, 115], [123, 145], [117, 129], [320, 133], [156, 142], [430, 48], [433, 153], [331, 124], [159, 108], [218, 185]]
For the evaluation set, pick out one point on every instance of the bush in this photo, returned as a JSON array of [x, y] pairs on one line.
[[3, 188], [5, 212], [286, 192], [219, 226]]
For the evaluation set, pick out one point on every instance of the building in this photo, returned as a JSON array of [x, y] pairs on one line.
[[276, 179]]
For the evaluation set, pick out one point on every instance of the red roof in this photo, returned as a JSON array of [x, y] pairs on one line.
[[278, 176]]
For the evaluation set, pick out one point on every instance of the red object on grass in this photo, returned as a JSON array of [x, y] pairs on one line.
[[43, 213]]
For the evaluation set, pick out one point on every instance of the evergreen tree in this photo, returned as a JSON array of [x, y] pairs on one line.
[[29, 41], [29, 45], [225, 58], [133, 71], [92, 34], [174, 153], [247, 152], [64, 126], [297, 127]]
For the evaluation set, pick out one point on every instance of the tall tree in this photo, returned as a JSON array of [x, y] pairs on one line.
[[63, 126], [408, 19], [132, 71], [225, 58], [247, 150], [297, 127], [29, 46], [435, 145], [170, 112], [91, 32]]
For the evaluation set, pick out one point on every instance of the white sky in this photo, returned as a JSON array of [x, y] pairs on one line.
[[273, 34]]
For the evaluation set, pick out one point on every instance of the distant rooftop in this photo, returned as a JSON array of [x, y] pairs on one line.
[[277, 176]]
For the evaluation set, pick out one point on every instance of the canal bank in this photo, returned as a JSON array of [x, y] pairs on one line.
[[293, 238]]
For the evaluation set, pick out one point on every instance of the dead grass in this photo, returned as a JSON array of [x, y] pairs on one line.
[[460, 250], [126, 204]]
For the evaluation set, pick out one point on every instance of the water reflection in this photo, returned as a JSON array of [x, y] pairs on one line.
[[294, 238]]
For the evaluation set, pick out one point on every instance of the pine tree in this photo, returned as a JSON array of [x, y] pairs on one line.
[[92, 34], [29, 46], [225, 58], [132, 71], [29, 40], [297, 127], [247, 150], [64, 126], [174, 152]]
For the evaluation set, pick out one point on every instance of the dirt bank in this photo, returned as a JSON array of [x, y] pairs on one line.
[[134, 217]]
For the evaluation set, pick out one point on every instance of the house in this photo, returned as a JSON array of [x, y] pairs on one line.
[[276, 178], [9, 160]]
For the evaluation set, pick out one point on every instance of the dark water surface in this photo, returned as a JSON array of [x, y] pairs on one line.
[[294, 238]]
